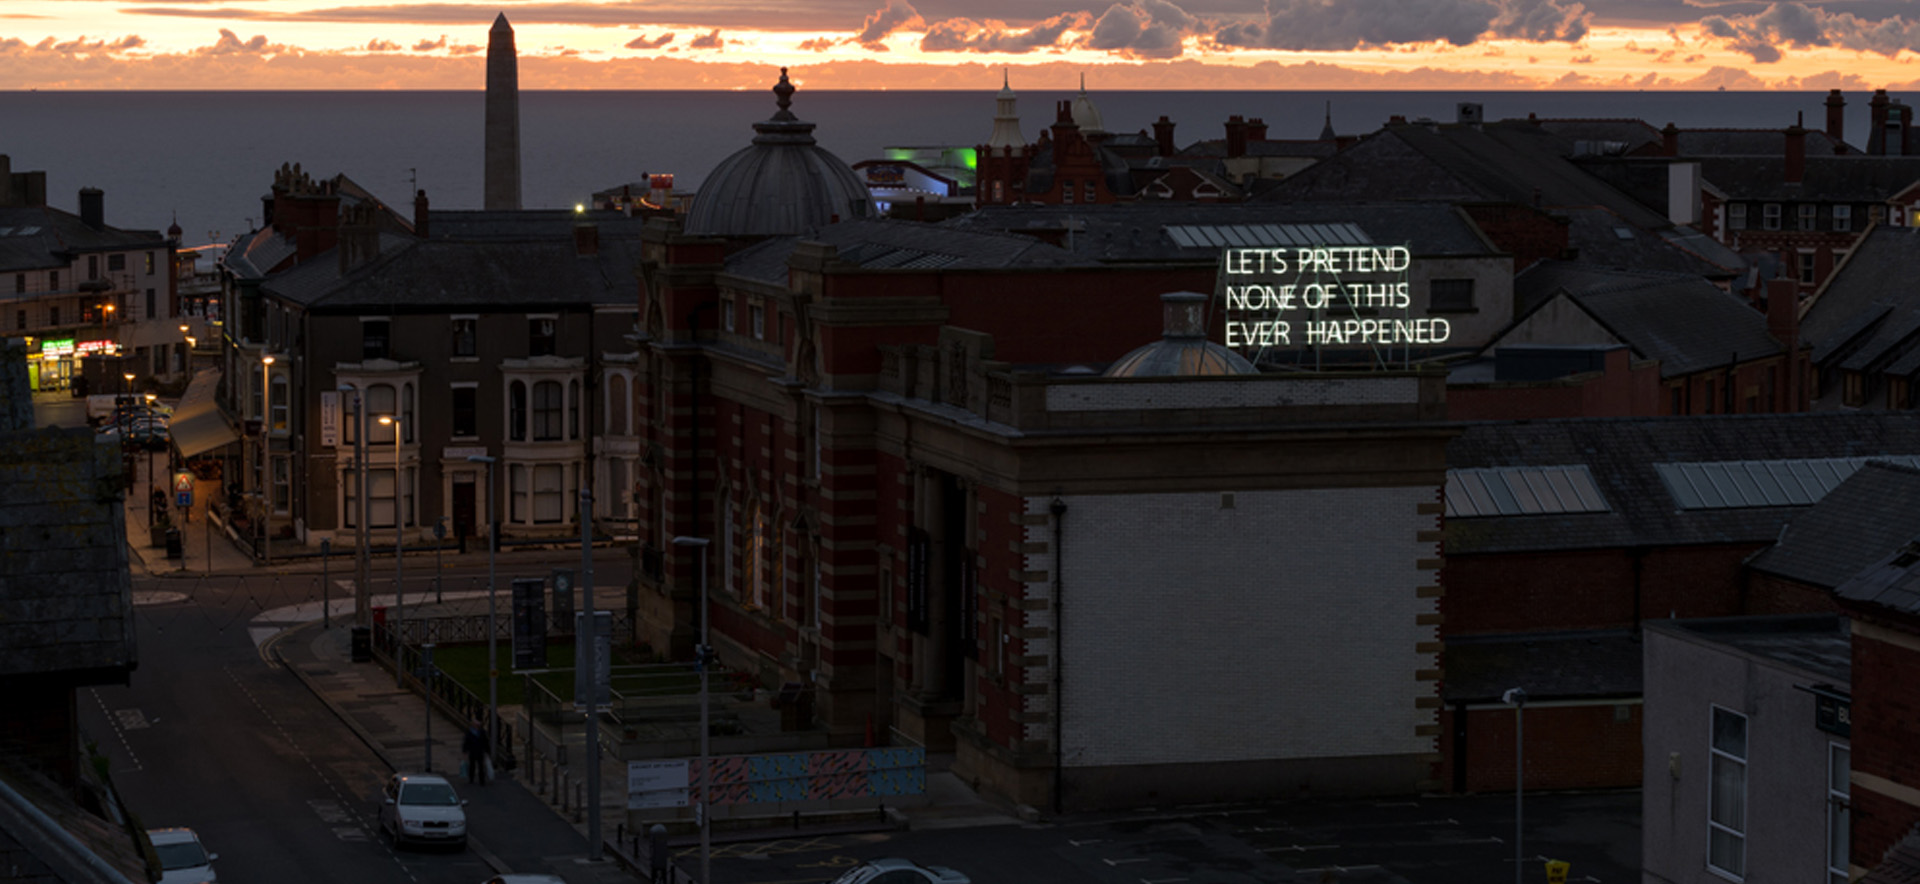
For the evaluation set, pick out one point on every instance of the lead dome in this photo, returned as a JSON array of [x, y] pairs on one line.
[[783, 184]]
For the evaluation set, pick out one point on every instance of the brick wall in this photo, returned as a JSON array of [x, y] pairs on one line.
[[1589, 589], [1279, 624], [1593, 746], [1886, 716]]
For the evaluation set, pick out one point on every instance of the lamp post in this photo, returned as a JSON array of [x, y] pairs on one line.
[[399, 532], [125, 402], [1517, 698], [151, 513], [493, 664], [266, 459], [186, 359], [701, 652], [362, 610]]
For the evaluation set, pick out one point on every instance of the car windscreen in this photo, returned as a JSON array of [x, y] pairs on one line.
[[429, 794], [184, 855]]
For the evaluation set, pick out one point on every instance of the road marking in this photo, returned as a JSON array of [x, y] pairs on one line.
[[130, 719], [1300, 848], [837, 862], [1340, 869], [350, 833], [1084, 843], [119, 729], [1116, 862]]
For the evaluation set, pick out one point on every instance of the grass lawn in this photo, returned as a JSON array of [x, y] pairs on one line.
[[467, 664]]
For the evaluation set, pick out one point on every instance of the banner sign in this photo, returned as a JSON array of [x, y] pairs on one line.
[[808, 776]]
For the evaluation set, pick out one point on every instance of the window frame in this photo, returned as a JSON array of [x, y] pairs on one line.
[[543, 334], [1714, 752], [1839, 808], [1808, 265], [1770, 216], [464, 337], [1808, 216], [1736, 216], [547, 418], [1842, 218], [469, 391]]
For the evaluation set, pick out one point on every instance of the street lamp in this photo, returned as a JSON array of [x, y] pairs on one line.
[[125, 402], [399, 531], [493, 664], [701, 653], [186, 359], [1517, 698], [266, 459], [150, 507], [362, 610]]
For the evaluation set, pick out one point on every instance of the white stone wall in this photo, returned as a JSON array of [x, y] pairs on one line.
[[1280, 626], [1254, 392]]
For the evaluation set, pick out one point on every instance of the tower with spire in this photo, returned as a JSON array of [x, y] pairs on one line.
[[1000, 165], [502, 189]]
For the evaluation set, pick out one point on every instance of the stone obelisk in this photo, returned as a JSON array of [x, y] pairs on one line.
[[503, 118]]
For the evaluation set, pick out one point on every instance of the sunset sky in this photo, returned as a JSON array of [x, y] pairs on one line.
[[932, 44]]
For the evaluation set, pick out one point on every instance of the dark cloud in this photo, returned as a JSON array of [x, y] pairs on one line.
[[378, 45], [1143, 29], [818, 44], [83, 46], [644, 42], [897, 14], [709, 40], [1541, 21], [967, 35], [431, 45], [1796, 25]]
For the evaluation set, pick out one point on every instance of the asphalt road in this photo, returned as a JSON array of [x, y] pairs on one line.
[[1429, 840], [212, 735]]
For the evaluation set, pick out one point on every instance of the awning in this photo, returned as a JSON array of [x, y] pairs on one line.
[[198, 423]]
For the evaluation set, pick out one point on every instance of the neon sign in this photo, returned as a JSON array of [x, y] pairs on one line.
[[90, 348], [56, 349], [1322, 296]]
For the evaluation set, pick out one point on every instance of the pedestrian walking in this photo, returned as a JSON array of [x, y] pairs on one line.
[[475, 745]]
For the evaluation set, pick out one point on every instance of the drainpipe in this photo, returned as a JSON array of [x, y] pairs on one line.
[[1059, 510]]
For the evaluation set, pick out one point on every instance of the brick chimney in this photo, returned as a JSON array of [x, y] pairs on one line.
[[1877, 119], [93, 207], [1163, 136], [1670, 140], [586, 239], [1236, 136], [1256, 129], [1796, 159], [1836, 115], [420, 214]]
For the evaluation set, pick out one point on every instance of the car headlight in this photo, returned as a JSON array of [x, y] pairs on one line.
[[412, 824]]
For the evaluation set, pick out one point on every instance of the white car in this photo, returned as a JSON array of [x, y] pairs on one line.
[[900, 871], [423, 809], [183, 859]]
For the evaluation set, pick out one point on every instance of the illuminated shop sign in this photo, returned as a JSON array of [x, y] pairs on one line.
[[1322, 296], [96, 348], [56, 349]]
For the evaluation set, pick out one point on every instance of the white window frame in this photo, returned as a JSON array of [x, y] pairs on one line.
[[757, 317], [1770, 216], [1808, 266], [1839, 809], [1842, 218], [1714, 753], [1809, 215], [728, 320]]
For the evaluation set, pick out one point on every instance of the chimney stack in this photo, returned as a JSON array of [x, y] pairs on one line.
[[1236, 136], [1163, 136], [420, 214], [586, 239], [1256, 129], [1670, 140], [1877, 118], [1796, 165], [6, 179], [1836, 115], [93, 207]]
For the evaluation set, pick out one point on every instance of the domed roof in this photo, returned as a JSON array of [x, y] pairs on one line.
[[783, 184], [1085, 114], [1183, 350]]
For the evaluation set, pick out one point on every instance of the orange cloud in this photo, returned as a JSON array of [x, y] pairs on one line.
[[644, 42]]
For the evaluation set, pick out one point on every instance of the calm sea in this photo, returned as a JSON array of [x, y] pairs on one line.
[[208, 157]]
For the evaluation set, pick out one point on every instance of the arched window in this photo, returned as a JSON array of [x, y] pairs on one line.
[[547, 409], [380, 401], [517, 411], [617, 406]]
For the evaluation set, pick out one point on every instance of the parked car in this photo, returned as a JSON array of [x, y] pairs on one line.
[[900, 871], [423, 809], [183, 859], [526, 879]]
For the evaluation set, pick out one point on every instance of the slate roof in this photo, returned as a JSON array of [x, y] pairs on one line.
[[1854, 178], [1216, 148], [43, 237], [1630, 134], [1866, 316], [1136, 232], [1687, 323], [438, 275], [260, 252], [1551, 666], [1891, 582], [1620, 453], [1900, 865], [1600, 236], [1820, 644], [484, 225], [903, 245], [1753, 142], [1509, 161], [1875, 512]]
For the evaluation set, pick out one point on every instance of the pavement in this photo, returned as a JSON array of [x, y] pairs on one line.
[[394, 723]]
